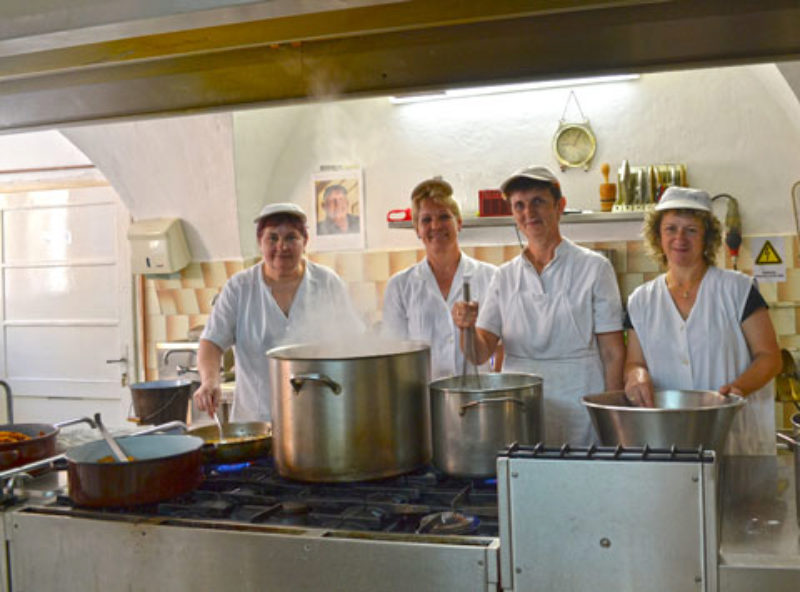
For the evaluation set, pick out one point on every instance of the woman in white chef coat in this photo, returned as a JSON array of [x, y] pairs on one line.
[[417, 300], [556, 308], [701, 327], [284, 298]]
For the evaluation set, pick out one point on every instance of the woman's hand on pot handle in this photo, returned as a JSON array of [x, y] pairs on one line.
[[465, 314]]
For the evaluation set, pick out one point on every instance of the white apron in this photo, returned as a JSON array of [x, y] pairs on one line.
[[705, 351], [543, 322]]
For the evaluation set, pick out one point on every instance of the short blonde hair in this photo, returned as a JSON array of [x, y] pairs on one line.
[[439, 192], [712, 235]]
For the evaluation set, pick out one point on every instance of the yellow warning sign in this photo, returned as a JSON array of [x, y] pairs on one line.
[[768, 255]]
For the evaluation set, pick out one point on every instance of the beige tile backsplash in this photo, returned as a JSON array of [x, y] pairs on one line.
[[175, 305]]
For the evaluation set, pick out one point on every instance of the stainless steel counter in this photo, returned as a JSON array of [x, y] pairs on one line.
[[760, 538]]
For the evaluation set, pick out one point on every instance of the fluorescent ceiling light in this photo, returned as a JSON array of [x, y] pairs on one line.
[[506, 88]]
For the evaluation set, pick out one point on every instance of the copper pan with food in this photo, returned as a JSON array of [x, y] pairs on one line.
[[238, 442], [159, 467], [24, 443]]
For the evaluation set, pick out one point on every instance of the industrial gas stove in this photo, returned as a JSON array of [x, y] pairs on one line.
[[246, 528], [567, 519]]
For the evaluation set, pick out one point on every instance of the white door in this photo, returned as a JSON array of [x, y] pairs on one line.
[[67, 314]]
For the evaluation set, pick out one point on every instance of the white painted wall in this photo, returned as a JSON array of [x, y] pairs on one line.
[[173, 167], [737, 129], [36, 150]]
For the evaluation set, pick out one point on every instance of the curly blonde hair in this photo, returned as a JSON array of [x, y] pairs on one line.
[[712, 235], [437, 191]]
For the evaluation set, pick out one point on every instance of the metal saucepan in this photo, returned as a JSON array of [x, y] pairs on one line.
[[350, 411], [472, 418], [42, 442], [241, 441], [683, 418], [162, 467]]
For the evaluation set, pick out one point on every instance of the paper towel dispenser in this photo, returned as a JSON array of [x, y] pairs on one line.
[[158, 245]]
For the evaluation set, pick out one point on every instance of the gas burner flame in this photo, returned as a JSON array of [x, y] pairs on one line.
[[231, 468], [451, 523]]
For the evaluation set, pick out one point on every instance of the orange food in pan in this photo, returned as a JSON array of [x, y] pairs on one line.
[[8, 437], [111, 459]]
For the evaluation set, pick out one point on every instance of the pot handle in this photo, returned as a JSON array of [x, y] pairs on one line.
[[69, 422], [39, 464], [298, 380], [164, 427], [488, 400], [791, 442]]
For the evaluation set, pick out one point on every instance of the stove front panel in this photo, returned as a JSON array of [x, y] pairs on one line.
[[605, 525], [50, 552]]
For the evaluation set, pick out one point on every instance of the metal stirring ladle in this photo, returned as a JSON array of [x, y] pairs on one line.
[[219, 426], [469, 346], [116, 449]]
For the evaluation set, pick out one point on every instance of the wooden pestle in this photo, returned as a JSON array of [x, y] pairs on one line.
[[608, 191]]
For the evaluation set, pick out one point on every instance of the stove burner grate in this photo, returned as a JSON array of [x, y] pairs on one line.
[[448, 523], [422, 502]]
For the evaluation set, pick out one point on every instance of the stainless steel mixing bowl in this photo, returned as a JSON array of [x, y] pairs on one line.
[[684, 418]]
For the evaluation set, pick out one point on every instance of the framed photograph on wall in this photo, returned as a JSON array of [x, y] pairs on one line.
[[338, 214]]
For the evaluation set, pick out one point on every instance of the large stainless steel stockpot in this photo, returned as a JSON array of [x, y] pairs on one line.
[[350, 412], [475, 416]]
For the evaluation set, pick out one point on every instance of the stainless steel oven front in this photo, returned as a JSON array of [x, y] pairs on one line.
[[607, 519]]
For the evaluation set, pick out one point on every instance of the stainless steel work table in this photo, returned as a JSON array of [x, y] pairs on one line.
[[760, 538]]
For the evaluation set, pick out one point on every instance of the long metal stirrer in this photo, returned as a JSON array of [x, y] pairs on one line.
[[473, 350], [465, 294], [469, 346]]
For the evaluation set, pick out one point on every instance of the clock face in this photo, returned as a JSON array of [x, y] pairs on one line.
[[574, 145]]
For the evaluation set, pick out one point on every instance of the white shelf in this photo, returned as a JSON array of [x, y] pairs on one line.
[[572, 218]]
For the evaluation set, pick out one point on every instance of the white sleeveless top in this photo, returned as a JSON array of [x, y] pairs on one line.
[[705, 351]]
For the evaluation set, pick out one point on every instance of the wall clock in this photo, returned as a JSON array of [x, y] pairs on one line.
[[574, 143]]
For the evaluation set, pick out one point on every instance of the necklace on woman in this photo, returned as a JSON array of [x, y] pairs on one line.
[[685, 292]]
